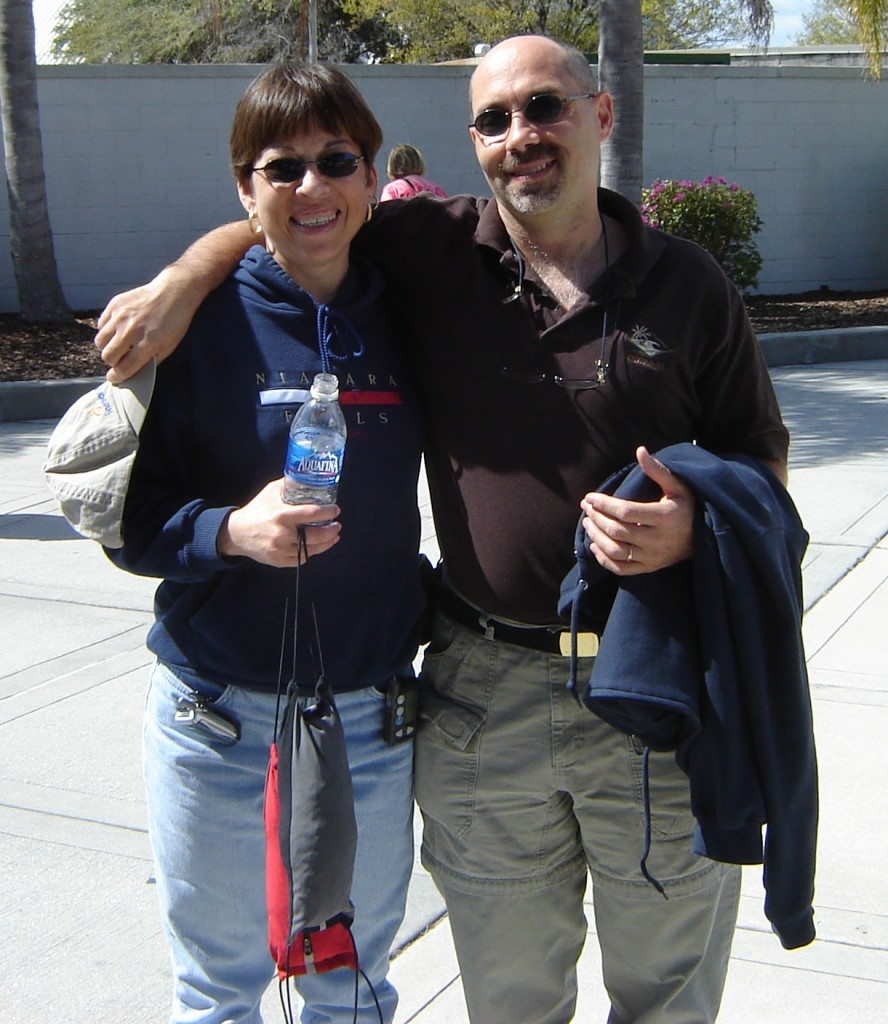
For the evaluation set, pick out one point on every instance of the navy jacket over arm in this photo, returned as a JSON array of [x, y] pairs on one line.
[[706, 658]]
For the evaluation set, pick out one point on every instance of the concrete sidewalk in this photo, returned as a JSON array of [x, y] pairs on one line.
[[80, 937]]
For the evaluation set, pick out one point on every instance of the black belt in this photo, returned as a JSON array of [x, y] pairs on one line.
[[549, 640]]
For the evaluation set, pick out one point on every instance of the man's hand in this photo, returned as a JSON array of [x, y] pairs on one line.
[[632, 537], [152, 320], [148, 321], [267, 530]]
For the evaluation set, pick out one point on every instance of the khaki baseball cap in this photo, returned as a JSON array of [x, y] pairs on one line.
[[91, 455]]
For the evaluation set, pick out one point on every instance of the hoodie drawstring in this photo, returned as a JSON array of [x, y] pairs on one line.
[[646, 799], [333, 327], [580, 589]]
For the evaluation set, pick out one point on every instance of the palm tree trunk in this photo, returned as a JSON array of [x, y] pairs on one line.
[[621, 73], [33, 256]]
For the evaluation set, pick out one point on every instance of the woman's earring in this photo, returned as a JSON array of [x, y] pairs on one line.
[[253, 219], [374, 202]]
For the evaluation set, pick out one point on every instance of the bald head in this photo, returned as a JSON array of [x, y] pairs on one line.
[[538, 123], [519, 52]]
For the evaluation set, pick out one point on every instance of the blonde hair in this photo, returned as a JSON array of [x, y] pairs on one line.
[[404, 159]]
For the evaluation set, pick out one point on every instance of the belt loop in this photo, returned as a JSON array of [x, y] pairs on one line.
[[484, 623]]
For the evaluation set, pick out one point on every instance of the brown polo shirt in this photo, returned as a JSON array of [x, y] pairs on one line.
[[508, 458]]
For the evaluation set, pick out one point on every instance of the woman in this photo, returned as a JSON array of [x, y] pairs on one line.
[[405, 168], [204, 511]]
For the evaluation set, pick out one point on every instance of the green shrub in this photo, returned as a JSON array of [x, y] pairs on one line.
[[719, 216]]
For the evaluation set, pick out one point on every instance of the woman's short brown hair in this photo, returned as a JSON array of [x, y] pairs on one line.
[[294, 97]]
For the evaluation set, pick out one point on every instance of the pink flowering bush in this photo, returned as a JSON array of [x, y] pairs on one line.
[[719, 216]]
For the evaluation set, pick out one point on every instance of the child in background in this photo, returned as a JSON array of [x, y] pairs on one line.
[[405, 169]]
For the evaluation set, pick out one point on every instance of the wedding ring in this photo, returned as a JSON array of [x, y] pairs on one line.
[[629, 556]]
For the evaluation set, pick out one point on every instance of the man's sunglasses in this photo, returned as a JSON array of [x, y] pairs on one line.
[[545, 108], [288, 170]]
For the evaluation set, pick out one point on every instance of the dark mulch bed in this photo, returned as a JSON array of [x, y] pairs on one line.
[[30, 351], [811, 311], [59, 351]]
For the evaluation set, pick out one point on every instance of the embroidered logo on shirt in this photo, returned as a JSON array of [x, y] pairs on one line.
[[646, 343]]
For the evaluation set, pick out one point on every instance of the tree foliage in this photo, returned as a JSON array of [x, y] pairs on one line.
[[690, 24], [838, 21], [872, 21], [209, 31], [435, 30], [420, 31], [431, 30], [829, 21]]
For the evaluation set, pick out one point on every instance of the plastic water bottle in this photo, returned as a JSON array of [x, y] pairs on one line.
[[316, 446]]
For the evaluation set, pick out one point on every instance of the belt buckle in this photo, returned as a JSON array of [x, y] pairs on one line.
[[587, 644]]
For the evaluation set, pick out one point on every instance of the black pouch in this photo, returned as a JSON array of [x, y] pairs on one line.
[[401, 709]]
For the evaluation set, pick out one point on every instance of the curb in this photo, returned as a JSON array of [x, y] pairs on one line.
[[45, 400], [41, 399], [829, 346]]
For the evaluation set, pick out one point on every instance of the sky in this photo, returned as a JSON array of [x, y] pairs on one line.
[[45, 12], [787, 22]]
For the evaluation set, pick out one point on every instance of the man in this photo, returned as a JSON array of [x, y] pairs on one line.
[[556, 340]]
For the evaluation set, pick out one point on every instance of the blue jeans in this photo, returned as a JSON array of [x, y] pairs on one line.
[[205, 820]]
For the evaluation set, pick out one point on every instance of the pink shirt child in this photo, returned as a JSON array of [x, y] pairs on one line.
[[411, 185]]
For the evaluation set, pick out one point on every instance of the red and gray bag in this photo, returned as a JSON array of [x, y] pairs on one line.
[[310, 837], [310, 829]]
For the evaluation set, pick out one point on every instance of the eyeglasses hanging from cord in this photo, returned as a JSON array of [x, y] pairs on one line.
[[602, 365]]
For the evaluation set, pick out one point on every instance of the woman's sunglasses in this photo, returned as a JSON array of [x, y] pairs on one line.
[[288, 170], [545, 108]]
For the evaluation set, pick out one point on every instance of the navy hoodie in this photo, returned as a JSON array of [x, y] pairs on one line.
[[706, 658], [216, 433]]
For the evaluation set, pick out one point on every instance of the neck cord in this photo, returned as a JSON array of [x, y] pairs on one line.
[[601, 364], [519, 287]]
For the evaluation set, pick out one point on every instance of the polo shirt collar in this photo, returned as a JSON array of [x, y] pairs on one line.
[[645, 245]]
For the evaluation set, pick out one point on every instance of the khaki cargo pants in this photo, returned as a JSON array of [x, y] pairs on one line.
[[524, 792]]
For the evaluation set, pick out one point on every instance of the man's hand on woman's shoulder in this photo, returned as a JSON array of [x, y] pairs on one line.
[[151, 320], [148, 321]]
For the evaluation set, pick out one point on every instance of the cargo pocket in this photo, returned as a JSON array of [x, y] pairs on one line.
[[446, 760], [669, 792]]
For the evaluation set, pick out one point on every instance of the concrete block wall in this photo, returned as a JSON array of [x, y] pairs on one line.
[[137, 167], [812, 145]]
